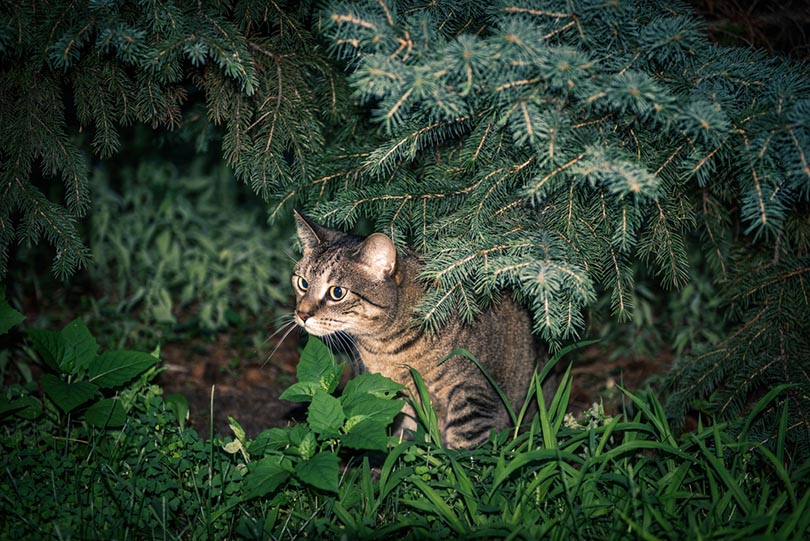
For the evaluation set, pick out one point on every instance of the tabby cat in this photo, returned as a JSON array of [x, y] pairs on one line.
[[365, 288]]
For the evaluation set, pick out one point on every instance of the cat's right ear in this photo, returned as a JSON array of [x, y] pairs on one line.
[[309, 233]]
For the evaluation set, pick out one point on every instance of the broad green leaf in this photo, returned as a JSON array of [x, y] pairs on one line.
[[375, 384], [30, 408], [325, 414], [264, 477], [8, 316], [321, 471], [381, 409], [51, 347], [68, 396], [114, 368], [317, 365], [26, 407], [434, 501], [81, 346], [273, 439], [106, 413], [6, 405], [307, 445], [179, 405], [299, 433], [302, 391], [70, 350], [237, 429], [367, 434]]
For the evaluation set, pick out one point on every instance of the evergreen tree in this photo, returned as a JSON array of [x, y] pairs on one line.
[[72, 71], [549, 147], [553, 150]]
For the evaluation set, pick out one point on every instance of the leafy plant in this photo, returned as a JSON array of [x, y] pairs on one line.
[[309, 452], [81, 381], [185, 247]]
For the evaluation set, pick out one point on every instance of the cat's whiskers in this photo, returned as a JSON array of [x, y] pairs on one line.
[[327, 339], [343, 343], [289, 327], [279, 328], [347, 343]]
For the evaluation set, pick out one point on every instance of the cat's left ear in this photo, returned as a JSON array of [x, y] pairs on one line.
[[379, 255], [309, 233]]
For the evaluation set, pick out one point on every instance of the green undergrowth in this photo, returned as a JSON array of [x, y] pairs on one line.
[[92, 450], [179, 247]]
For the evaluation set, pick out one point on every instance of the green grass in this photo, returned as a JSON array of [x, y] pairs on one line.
[[623, 477]]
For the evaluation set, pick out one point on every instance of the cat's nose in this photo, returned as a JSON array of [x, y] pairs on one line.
[[303, 315]]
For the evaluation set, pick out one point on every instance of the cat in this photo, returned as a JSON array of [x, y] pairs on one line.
[[366, 289]]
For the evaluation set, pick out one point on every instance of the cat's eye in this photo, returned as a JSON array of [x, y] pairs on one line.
[[337, 293], [302, 283]]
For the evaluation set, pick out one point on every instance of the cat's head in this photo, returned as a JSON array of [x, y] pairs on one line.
[[343, 282]]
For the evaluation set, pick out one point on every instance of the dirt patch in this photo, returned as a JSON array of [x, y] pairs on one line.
[[247, 386], [599, 378]]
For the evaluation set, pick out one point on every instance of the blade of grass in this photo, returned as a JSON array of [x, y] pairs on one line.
[[560, 401], [461, 352], [725, 476], [761, 405], [389, 477], [504, 470], [633, 527], [436, 505], [465, 488], [655, 415], [209, 526], [798, 522], [777, 465], [424, 411]]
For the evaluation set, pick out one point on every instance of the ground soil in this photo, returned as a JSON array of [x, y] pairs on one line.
[[246, 385]]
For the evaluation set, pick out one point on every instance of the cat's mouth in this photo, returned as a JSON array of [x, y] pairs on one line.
[[315, 326]]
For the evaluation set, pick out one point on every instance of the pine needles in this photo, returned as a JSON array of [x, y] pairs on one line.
[[555, 151]]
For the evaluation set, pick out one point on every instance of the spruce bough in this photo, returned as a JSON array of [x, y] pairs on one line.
[[558, 150], [561, 150]]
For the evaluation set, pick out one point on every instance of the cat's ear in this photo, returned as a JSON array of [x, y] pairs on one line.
[[379, 255], [309, 233]]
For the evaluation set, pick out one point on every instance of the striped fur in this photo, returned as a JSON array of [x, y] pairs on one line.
[[378, 312]]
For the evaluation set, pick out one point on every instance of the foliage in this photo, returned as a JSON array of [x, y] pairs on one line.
[[571, 153], [768, 347], [308, 452], [75, 75], [621, 477], [184, 245], [80, 381]]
